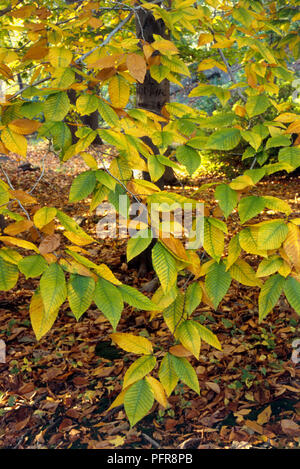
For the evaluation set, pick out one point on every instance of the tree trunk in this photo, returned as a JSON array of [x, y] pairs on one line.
[[152, 95], [90, 120]]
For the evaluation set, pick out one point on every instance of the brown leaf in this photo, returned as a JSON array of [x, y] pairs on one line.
[[264, 416], [2, 351], [49, 244], [214, 386], [289, 427], [179, 351]]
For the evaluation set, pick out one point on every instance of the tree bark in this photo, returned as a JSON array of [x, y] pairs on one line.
[[152, 95]]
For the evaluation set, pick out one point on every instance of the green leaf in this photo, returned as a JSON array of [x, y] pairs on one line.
[[208, 336], [213, 240], [255, 174], [164, 265], [248, 239], [32, 266], [189, 158], [290, 155], [53, 288], [227, 198], [173, 314], [98, 196], [64, 78], [272, 234], [193, 296], [243, 273], [250, 207], [234, 250], [8, 275], [87, 103], [80, 294], [269, 295], [252, 138], [138, 369], [273, 203], [225, 139], [292, 293], [186, 372], [70, 225], [138, 243], [167, 374], [278, 141], [59, 132], [136, 299], [138, 401], [82, 186], [189, 337], [257, 105], [109, 300], [217, 282], [56, 107], [159, 72], [155, 167], [10, 255], [269, 266], [107, 113], [104, 178]]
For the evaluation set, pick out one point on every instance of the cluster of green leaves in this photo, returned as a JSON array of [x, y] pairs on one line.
[[81, 47]]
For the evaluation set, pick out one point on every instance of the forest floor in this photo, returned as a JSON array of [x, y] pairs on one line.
[[55, 393]]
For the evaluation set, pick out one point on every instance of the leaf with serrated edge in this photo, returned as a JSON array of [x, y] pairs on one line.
[[140, 368], [133, 343], [138, 400]]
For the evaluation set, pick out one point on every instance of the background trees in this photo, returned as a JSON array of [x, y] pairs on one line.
[[64, 60]]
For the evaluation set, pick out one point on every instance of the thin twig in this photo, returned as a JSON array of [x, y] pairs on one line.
[[107, 39], [150, 440], [12, 188]]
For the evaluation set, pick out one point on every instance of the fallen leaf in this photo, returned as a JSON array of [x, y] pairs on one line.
[[2, 351], [264, 416], [289, 427]]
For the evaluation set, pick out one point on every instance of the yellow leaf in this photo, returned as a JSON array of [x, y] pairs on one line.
[[241, 182], [284, 269], [205, 38], [137, 66], [18, 227], [41, 322], [60, 57], [158, 391], [77, 239], [264, 416], [22, 196], [244, 274], [24, 126], [89, 160], [117, 441], [119, 400], [163, 45], [107, 274], [291, 245], [19, 242], [14, 142], [44, 216], [175, 246], [132, 343], [293, 128], [119, 91]]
